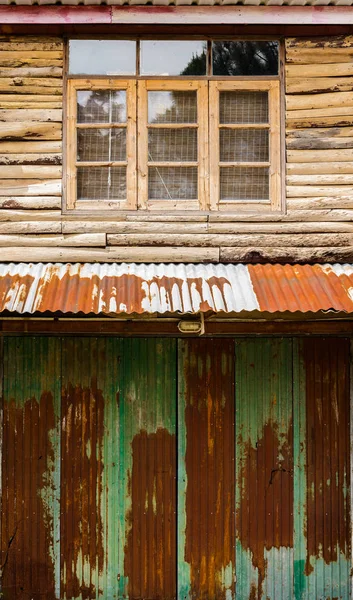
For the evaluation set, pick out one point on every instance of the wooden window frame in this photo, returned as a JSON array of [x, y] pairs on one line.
[[274, 162], [74, 85], [201, 87]]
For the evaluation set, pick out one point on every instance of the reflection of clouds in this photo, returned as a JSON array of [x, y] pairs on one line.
[[158, 104], [169, 57], [102, 57]]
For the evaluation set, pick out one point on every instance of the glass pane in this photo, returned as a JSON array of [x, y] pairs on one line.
[[102, 57], [173, 58], [172, 183], [245, 58], [172, 107], [243, 107], [244, 145], [101, 106], [244, 183], [101, 144], [101, 183], [172, 144]]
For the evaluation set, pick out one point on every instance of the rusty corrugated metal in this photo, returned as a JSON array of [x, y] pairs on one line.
[[322, 474], [206, 482], [30, 535], [174, 288], [264, 469]]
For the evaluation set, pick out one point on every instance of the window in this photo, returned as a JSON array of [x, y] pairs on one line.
[[165, 125]]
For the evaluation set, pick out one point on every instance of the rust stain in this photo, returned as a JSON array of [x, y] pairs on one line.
[[209, 461], [150, 552], [328, 462], [26, 527], [81, 525], [265, 514]]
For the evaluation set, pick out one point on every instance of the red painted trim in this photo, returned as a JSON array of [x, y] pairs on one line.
[[27, 15], [177, 15]]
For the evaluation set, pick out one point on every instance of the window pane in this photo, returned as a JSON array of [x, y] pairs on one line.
[[101, 183], [102, 57], [244, 145], [172, 107], [172, 183], [245, 58], [101, 144], [244, 183], [173, 58], [243, 107], [101, 106], [172, 144]]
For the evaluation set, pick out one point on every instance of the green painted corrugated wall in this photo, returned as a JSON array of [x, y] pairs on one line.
[[163, 468]]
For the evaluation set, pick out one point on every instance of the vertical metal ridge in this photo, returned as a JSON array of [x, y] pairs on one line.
[[328, 468], [30, 467], [206, 446], [264, 484]]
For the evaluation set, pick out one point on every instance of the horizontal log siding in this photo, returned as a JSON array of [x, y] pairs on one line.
[[319, 132], [317, 225]]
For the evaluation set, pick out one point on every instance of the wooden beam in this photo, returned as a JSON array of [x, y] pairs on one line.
[[177, 15]]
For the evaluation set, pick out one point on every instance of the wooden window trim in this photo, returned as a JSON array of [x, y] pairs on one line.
[[75, 85], [201, 87], [274, 163]]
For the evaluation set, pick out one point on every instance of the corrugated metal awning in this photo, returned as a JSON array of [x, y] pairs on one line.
[[174, 288]]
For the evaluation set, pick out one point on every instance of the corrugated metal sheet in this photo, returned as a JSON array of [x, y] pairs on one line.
[[174, 288], [264, 469], [322, 470], [100, 440], [206, 473], [30, 519]]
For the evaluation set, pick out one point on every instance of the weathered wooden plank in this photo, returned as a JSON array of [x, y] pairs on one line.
[[30, 227], [31, 105], [307, 143], [281, 255], [328, 168], [29, 89], [28, 53], [329, 111], [33, 71], [320, 202], [319, 179], [318, 56], [31, 159], [30, 187], [25, 115], [320, 132], [29, 98], [319, 42], [18, 63], [30, 202], [30, 172], [40, 147], [309, 101], [301, 156], [298, 191], [320, 70], [280, 227], [111, 226], [19, 82], [29, 215], [26, 44], [338, 121], [30, 130], [298, 85], [65, 241], [216, 240], [129, 254]]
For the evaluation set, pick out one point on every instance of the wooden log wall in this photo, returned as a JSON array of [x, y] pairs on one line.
[[316, 226]]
